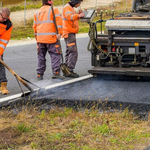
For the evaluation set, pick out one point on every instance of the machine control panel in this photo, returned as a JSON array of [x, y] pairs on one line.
[[89, 15]]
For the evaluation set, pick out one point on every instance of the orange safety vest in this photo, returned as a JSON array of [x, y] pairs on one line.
[[70, 20], [44, 27], [5, 34]]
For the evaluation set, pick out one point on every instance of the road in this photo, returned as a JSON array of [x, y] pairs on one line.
[[23, 60]]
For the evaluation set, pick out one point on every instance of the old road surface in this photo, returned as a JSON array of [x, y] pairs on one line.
[[23, 60]]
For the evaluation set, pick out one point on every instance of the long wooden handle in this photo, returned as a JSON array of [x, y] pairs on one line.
[[18, 77], [54, 19]]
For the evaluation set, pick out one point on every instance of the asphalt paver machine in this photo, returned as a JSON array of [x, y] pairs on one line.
[[124, 48]]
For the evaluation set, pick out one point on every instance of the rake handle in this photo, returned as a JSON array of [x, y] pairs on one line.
[[18, 77], [54, 19]]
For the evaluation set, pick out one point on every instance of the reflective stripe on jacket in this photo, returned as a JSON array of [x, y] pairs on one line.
[[5, 34], [44, 27], [70, 20]]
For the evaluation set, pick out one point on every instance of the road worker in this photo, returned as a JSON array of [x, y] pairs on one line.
[[70, 29], [5, 34], [47, 39]]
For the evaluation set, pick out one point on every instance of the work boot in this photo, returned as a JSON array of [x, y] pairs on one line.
[[3, 88], [73, 75], [39, 77], [57, 76]]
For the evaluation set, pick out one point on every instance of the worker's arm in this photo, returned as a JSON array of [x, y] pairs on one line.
[[4, 39], [35, 26], [58, 23], [71, 16]]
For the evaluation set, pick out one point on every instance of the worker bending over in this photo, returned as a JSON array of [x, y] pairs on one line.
[[5, 34], [70, 29], [47, 39]]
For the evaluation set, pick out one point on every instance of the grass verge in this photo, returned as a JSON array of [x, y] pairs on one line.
[[65, 128], [30, 4]]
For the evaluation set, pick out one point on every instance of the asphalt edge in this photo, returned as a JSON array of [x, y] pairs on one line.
[[13, 97]]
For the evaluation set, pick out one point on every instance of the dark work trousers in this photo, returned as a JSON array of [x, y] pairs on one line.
[[54, 52], [71, 55], [2, 73]]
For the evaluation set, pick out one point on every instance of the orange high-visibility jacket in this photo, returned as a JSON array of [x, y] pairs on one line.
[[44, 27], [5, 34], [70, 20]]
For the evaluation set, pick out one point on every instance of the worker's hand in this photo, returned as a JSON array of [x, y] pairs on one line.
[[81, 15], [36, 37], [80, 11], [0, 57], [58, 36], [85, 9]]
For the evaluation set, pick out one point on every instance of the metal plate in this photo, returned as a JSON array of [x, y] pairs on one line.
[[133, 71], [127, 24]]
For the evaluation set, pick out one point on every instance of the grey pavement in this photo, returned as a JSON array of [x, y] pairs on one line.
[[22, 58]]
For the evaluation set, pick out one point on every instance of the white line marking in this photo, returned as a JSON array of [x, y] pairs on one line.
[[10, 97], [48, 87], [68, 82]]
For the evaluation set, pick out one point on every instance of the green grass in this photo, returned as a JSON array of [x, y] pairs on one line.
[[22, 127], [30, 4], [22, 32], [65, 128]]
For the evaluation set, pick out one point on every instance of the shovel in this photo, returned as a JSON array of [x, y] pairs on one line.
[[63, 66], [21, 79]]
